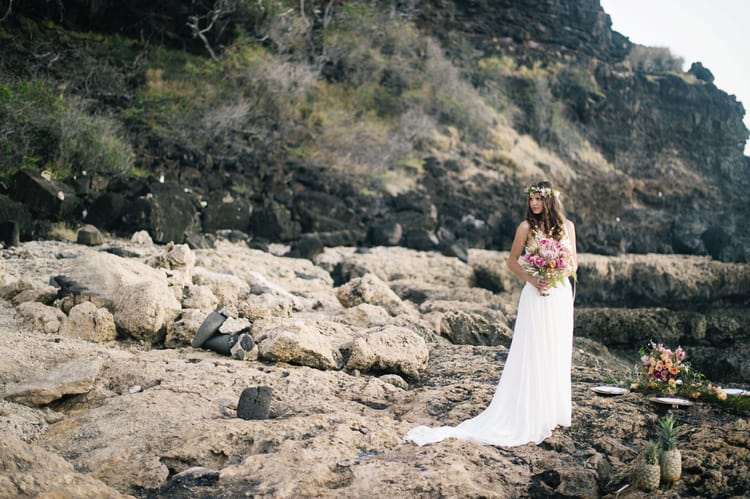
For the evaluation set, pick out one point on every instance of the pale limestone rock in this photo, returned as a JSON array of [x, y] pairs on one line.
[[145, 310], [491, 270], [26, 289], [89, 235], [311, 287], [141, 237], [366, 315], [255, 307], [105, 276], [199, 297], [5, 276], [226, 287], [334, 434], [184, 329], [371, 289], [296, 342], [29, 470], [230, 310], [234, 325], [88, 322], [389, 349], [177, 260], [394, 263], [474, 329], [41, 317], [72, 378], [395, 380]]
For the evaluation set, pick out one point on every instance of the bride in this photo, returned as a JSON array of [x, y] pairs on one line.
[[533, 395]]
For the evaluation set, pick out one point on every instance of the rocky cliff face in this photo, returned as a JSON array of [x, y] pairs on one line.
[[670, 179]]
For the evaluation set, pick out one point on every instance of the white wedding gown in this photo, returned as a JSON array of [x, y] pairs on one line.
[[533, 395]]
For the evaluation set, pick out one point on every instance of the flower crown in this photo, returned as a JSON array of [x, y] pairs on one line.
[[544, 192]]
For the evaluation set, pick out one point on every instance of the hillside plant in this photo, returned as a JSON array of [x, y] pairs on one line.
[[654, 60], [41, 129]]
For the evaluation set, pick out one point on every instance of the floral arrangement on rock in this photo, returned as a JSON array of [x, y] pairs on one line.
[[664, 370]]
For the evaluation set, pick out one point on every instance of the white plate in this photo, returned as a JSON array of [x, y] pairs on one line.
[[736, 392], [610, 390], [673, 401]]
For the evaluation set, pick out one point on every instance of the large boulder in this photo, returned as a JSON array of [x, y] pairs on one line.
[[44, 197], [473, 329], [41, 317], [106, 211], [254, 307], [389, 349], [70, 378], [88, 322], [274, 221], [226, 212], [184, 328], [145, 310], [652, 280], [227, 288], [397, 263], [168, 213], [296, 342], [139, 296], [25, 289], [370, 289], [29, 470], [177, 260], [199, 297], [17, 222]]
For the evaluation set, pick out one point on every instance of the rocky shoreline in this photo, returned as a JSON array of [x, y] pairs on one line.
[[104, 396]]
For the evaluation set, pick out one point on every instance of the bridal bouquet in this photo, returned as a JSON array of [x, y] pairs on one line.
[[547, 258]]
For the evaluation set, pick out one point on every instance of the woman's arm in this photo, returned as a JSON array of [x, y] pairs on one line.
[[572, 238], [519, 241]]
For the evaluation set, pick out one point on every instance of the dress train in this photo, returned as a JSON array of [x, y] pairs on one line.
[[533, 395]]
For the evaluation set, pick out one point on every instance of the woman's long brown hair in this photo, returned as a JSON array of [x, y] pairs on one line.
[[551, 220]]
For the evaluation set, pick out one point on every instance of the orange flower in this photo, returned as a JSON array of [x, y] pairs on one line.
[[674, 370], [552, 264]]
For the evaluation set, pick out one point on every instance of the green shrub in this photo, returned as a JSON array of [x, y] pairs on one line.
[[43, 130], [654, 60]]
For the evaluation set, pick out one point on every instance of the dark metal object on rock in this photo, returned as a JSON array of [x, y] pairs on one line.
[[208, 328], [254, 402]]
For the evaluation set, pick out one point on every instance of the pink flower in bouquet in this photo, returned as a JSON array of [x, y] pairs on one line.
[[547, 258], [660, 364]]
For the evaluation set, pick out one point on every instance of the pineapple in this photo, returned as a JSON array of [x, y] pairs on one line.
[[670, 459], [647, 473]]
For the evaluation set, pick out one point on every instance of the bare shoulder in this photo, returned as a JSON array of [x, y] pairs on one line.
[[525, 225], [570, 224]]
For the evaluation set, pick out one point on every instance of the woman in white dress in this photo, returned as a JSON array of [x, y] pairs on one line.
[[533, 395]]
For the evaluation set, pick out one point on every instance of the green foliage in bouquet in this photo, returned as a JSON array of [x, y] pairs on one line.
[[665, 371]]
